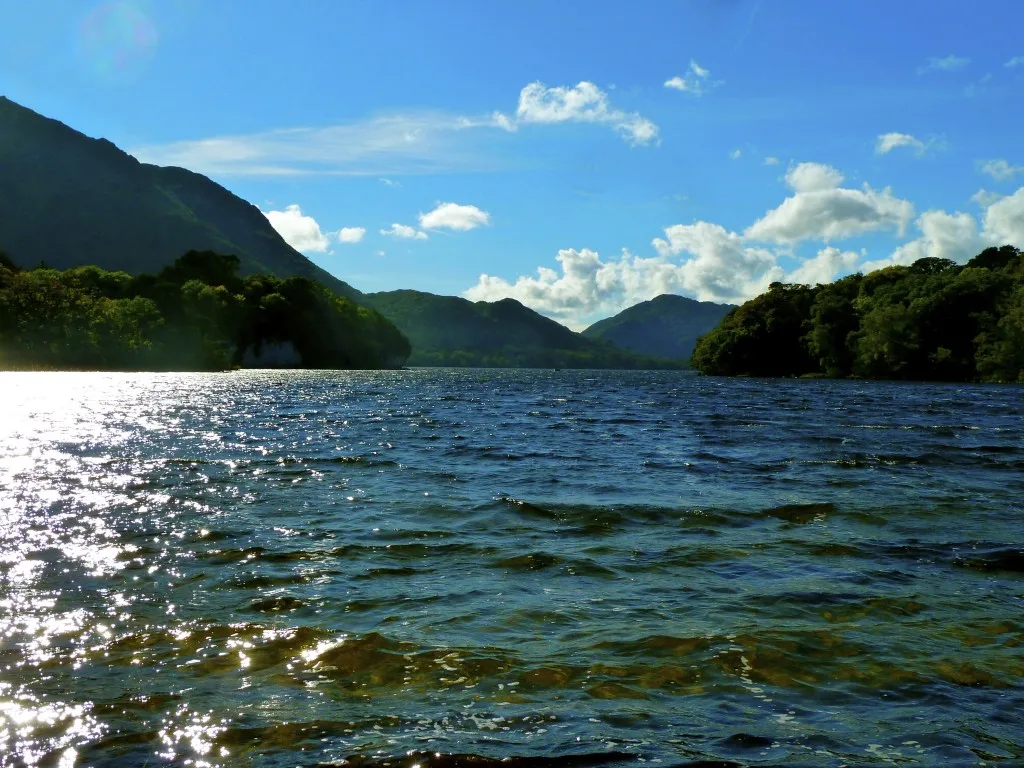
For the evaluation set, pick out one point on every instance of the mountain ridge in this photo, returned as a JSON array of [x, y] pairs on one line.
[[454, 331], [665, 326], [103, 206]]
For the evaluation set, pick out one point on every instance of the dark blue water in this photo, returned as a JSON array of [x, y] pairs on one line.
[[280, 569]]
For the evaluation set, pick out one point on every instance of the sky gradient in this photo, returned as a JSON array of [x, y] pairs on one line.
[[578, 156]]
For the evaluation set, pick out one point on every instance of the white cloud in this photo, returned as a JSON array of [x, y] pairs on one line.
[[416, 142], [984, 198], [824, 267], [736, 154], [771, 161], [1000, 170], [943, 236], [949, 63], [697, 80], [351, 234], [585, 103], [300, 232], [955, 235], [709, 262], [404, 232], [811, 177], [494, 120], [455, 216], [1016, 61], [720, 267], [887, 142], [390, 182], [1004, 221], [821, 209], [717, 267]]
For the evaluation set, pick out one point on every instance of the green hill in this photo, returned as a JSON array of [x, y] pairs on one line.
[[665, 326], [71, 200], [451, 331]]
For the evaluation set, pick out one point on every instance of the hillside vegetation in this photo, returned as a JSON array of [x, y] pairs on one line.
[[451, 331], [932, 320], [196, 314], [70, 200], [665, 326]]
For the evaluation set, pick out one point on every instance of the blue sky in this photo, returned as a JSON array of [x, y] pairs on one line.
[[578, 156]]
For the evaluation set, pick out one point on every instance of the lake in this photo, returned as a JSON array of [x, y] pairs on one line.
[[292, 568]]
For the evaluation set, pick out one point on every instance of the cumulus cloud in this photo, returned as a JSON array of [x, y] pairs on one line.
[[949, 63], [824, 267], [351, 234], [1000, 170], [887, 142], [984, 198], [771, 161], [702, 259], [956, 235], [822, 209], [812, 177], [584, 103], [404, 232], [455, 216], [943, 236], [696, 80], [1016, 61], [736, 154], [719, 266], [1004, 221], [300, 232]]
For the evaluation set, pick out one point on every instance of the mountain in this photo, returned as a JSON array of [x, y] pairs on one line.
[[666, 326], [71, 200], [448, 330]]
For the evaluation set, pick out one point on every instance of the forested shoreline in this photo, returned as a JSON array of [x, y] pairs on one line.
[[195, 314], [932, 320]]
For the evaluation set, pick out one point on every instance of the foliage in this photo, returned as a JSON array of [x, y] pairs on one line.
[[70, 200], [451, 331], [932, 320], [196, 314]]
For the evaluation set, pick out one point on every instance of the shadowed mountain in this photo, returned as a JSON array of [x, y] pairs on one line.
[[666, 326], [71, 200], [451, 331]]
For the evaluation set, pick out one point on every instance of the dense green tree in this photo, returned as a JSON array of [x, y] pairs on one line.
[[832, 322], [933, 319], [764, 337], [197, 314]]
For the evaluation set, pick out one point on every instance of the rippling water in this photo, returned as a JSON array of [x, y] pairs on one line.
[[280, 569]]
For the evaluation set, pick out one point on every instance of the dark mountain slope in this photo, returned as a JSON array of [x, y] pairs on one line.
[[70, 200], [665, 326], [447, 330]]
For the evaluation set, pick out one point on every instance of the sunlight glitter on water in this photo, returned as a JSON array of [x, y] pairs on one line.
[[291, 568]]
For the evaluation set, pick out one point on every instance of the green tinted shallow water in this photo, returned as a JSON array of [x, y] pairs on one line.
[[293, 568]]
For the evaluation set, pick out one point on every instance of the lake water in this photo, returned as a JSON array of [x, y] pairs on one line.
[[292, 568]]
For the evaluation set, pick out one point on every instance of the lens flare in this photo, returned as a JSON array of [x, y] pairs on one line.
[[116, 41]]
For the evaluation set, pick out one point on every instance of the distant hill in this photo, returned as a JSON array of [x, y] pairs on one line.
[[665, 326], [72, 200], [448, 330]]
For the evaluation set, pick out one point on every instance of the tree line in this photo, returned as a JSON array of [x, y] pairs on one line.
[[196, 314], [931, 320]]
